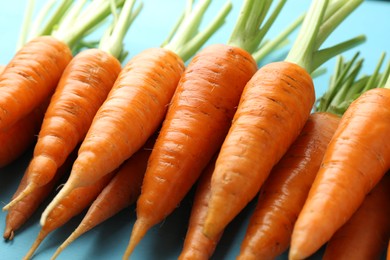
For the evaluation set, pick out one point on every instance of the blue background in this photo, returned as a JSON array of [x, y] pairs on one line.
[[164, 241]]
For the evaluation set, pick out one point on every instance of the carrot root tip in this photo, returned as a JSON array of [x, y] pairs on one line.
[[139, 230], [9, 234], [29, 188]]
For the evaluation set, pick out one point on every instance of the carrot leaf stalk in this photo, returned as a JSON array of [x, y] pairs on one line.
[[25, 24], [316, 28], [185, 38]]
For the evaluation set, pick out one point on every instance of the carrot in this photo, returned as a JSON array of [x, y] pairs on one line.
[[198, 119], [121, 192], [70, 206], [284, 192], [354, 162], [33, 73], [19, 214], [2, 67], [134, 108], [20, 136], [83, 87], [367, 232], [273, 108], [388, 251], [196, 244]]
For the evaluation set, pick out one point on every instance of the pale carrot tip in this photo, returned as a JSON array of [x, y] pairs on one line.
[[294, 254], [8, 233], [139, 230], [35, 245], [66, 189], [75, 234], [29, 188]]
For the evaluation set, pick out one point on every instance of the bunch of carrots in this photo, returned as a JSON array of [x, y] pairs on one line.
[[145, 133]]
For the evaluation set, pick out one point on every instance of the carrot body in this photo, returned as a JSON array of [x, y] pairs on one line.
[[69, 207], [284, 192], [30, 77], [367, 232], [356, 159], [122, 191], [133, 110], [388, 251], [197, 121], [21, 212], [2, 67], [20, 136], [273, 109], [196, 244], [82, 89]]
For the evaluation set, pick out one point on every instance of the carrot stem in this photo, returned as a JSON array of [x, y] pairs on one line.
[[321, 56], [302, 50], [79, 21], [26, 24], [185, 39], [374, 77], [276, 42], [249, 32], [112, 41]]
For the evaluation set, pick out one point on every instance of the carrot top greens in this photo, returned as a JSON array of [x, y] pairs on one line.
[[321, 20], [345, 86], [185, 39]]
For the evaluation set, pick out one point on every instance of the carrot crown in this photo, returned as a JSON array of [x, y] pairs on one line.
[[185, 39], [321, 20], [112, 41], [345, 86], [251, 26]]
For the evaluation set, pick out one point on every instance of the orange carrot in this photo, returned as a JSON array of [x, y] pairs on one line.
[[33, 73], [69, 207], [356, 159], [274, 106], [388, 251], [196, 244], [19, 214], [20, 136], [196, 123], [366, 234], [2, 67], [83, 87], [30, 77], [132, 112], [121, 192], [284, 192]]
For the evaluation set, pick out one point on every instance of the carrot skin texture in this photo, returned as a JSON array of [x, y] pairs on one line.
[[284, 192], [196, 244], [20, 136], [206, 98], [356, 159], [273, 109], [30, 77], [135, 108], [22, 211], [82, 89], [367, 232], [69, 207], [122, 191]]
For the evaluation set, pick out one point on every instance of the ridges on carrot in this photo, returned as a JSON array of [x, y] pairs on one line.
[[83, 87], [134, 108], [273, 108], [198, 118]]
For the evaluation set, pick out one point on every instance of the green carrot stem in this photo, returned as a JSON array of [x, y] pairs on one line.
[[303, 48], [371, 82], [248, 31], [25, 24], [321, 56], [80, 20], [384, 76], [276, 42], [185, 39], [112, 42]]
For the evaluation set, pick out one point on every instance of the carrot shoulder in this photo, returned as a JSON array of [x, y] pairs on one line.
[[30, 77], [366, 234], [285, 191], [274, 106]]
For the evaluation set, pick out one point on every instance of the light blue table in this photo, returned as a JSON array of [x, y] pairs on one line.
[[109, 240]]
